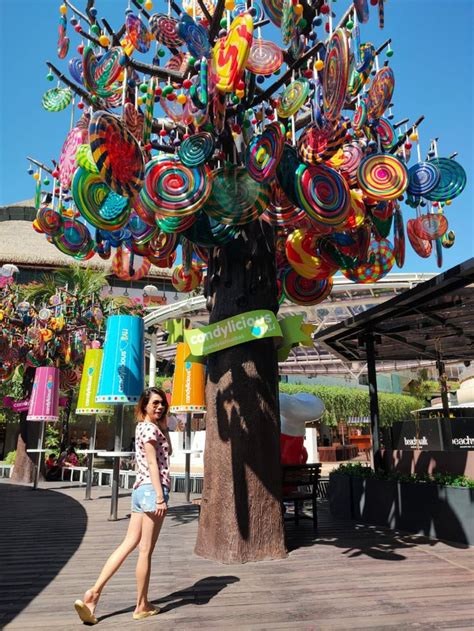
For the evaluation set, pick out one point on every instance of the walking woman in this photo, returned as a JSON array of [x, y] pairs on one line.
[[149, 505]]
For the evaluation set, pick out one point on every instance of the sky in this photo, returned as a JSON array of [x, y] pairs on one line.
[[433, 64]]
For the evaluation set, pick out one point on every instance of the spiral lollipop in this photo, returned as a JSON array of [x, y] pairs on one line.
[[197, 149], [194, 35], [56, 99], [264, 152], [352, 156], [422, 247], [84, 158], [175, 224], [74, 240], [380, 261], [431, 226], [100, 206], [116, 154], [99, 74], [265, 58], [274, 10], [380, 93], [67, 159], [386, 133], [75, 69], [293, 97], [236, 198], [452, 180], [174, 189], [305, 291], [49, 220], [137, 33], [323, 194], [301, 253], [282, 212], [164, 29], [186, 280], [163, 245], [423, 177], [360, 116], [382, 176], [133, 120], [317, 144], [336, 74]]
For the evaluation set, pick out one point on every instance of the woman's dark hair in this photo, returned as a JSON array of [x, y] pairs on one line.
[[140, 409]]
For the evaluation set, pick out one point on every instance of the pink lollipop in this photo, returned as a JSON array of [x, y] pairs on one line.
[[67, 160]]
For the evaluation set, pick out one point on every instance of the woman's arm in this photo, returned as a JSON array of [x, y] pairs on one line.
[[150, 453]]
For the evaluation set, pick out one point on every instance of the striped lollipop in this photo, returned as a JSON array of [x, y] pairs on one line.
[[116, 154], [75, 69], [318, 144], [431, 226], [56, 99], [294, 96], [49, 220], [336, 74], [194, 35], [164, 29], [162, 245], [264, 152], [84, 158], [236, 198], [380, 93], [100, 206], [382, 176], [274, 10], [100, 73], [323, 193], [452, 180], [265, 57], [386, 133], [305, 291], [423, 177], [352, 156], [197, 149], [175, 189], [137, 33], [301, 253], [282, 212], [423, 247], [186, 280], [175, 225]]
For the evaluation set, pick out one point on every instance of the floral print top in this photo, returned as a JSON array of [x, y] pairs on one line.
[[147, 432]]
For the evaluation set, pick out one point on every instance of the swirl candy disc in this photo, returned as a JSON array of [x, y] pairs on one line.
[[336, 74], [422, 178], [173, 225], [352, 155], [323, 194], [186, 280], [382, 176], [431, 226], [175, 189], [236, 198], [84, 158], [264, 152], [49, 220], [452, 180], [99, 73], [398, 237], [360, 116], [56, 99], [282, 212], [317, 144], [422, 247], [137, 33], [265, 57], [380, 261], [75, 239], [366, 61], [116, 154], [230, 53], [293, 97], [75, 69], [380, 93], [386, 133], [274, 10], [164, 29], [195, 36], [162, 245], [197, 149], [301, 253], [100, 206], [305, 291], [67, 159], [133, 120]]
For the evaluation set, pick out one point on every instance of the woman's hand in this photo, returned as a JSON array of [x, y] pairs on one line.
[[161, 508]]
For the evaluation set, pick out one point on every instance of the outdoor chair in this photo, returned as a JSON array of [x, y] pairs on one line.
[[300, 484]]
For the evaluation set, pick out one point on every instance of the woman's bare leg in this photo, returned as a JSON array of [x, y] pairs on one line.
[[151, 527], [115, 560]]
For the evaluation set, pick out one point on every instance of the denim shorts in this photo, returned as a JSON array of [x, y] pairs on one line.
[[144, 498]]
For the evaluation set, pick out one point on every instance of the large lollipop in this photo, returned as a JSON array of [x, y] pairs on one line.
[[452, 180], [117, 154], [186, 280], [305, 291], [294, 96], [423, 177], [164, 29], [301, 253], [197, 149], [281, 211], [67, 160], [336, 74], [380, 92], [265, 57], [431, 226], [137, 32], [423, 247], [380, 260], [56, 99], [100, 73], [382, 176], [264, 152], [230, 53]]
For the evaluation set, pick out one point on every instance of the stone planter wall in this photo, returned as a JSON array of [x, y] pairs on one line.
[[441, 512]]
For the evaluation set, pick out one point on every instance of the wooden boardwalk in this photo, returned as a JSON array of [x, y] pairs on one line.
[[348, 576]]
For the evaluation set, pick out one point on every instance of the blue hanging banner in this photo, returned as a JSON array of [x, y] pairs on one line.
[[122, 372]]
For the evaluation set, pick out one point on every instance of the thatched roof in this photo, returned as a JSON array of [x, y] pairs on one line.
[[21, 245], [23, 211]]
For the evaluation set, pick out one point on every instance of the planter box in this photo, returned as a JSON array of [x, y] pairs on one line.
[[441, 512]]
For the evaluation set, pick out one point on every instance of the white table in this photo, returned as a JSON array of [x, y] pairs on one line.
[[115, 455]]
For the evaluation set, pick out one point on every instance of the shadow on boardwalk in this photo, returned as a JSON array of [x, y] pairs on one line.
[[39, 532]]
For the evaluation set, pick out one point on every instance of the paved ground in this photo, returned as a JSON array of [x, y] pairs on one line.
[[348, 576]]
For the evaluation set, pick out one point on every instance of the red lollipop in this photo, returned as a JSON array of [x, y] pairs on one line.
[[422, 247]]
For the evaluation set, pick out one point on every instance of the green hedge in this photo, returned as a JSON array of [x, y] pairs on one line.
[[361, 471], [344, 402]]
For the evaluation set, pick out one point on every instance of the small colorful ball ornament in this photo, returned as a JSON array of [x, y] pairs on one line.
[[186, 280], [380, 260]]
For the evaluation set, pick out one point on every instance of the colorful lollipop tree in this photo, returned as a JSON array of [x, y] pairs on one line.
[[270, 166]]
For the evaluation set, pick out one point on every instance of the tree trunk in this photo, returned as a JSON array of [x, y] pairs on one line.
[[24, 468], [241, 518]]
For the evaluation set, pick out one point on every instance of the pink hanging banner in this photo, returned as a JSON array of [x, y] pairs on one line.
[[44, 401]]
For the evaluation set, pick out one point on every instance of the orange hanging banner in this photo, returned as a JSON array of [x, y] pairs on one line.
[[188, 383]]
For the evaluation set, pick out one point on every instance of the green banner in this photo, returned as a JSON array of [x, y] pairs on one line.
[[245, 327]]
